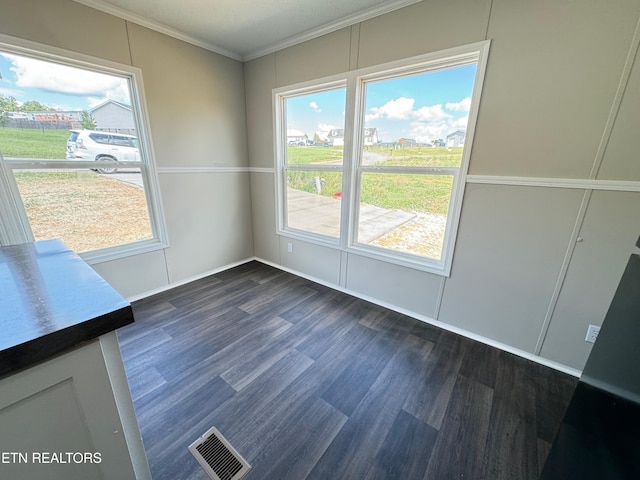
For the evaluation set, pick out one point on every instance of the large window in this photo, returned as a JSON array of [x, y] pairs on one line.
[[375, 160], [312, 159], [76, 159]]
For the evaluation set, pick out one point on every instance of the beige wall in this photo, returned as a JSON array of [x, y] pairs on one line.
[[196, 109], [552, 108], [519, 277]]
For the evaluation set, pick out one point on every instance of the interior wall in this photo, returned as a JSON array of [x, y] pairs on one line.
[[196, 110], [550, 207], [551, 202]]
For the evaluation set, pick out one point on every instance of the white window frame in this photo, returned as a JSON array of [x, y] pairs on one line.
[[14, 224], [280, 127], [352, 168]]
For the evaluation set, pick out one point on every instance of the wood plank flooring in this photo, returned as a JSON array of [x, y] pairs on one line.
[[310, 383]]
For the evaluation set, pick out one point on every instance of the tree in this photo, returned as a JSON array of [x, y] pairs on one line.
[[35, 106], [87, 121], [8, 104], [4, 119]]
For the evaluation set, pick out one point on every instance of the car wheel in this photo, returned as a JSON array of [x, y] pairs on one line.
[[105, 169]]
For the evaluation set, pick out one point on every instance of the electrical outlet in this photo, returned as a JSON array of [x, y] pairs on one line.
[[592, 334], [290, 247]]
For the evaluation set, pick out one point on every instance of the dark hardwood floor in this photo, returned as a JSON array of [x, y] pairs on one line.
[[310, 383]]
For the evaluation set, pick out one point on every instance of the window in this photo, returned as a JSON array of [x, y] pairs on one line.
[[76, 158], [312, 160], [375, 160]]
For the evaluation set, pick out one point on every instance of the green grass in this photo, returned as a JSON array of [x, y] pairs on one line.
[[30, 143], [305, 181], [407, 156], [307, 155], [422, 193], [425, 193]]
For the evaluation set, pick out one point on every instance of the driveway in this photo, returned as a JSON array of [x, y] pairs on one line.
[[131, 176]]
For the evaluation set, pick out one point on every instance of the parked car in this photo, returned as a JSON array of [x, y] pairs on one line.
[[94, 145]]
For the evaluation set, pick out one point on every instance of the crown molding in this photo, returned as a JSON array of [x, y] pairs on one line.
[[330, 27], [274, 47], [157, 26]]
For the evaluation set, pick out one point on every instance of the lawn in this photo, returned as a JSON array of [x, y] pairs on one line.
[[409, 192], [31, 143], [87, 211], [405, 156]]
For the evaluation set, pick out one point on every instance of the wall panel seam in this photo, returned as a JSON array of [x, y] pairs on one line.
[[617, 101], [564, 268]]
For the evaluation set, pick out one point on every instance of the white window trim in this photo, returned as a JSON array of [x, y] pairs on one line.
[[14, 226], [280, 149], [351, 170]]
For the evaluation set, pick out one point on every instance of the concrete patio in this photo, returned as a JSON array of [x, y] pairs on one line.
[[320, 214]]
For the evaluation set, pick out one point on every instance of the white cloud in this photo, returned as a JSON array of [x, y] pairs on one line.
[[424, 124], [463, 105], [461, 123], [315, 107], [324, 129], [10, 92], [398, 109], [426, 132], [430, 114], [57, 78]]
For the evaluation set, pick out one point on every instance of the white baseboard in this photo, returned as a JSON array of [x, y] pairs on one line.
[[445, 326], [184, 281]]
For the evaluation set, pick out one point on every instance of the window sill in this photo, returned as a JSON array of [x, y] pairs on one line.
[[434, 267], [95, 257]]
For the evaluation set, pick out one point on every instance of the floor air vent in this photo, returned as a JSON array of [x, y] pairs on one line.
[[218, 458]]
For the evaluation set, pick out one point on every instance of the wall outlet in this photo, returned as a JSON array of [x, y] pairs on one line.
[[289, 247], [592, 334]]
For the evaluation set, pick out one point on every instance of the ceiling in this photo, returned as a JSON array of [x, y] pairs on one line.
[[246, 29]]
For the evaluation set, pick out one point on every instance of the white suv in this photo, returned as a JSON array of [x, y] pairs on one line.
[[94, 145]]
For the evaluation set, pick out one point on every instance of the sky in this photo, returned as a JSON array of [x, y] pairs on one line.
[[58, 86], [423, 107]]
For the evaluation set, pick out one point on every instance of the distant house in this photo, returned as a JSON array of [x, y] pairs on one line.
[[407, 142], [114, 117], [336, 137], [370, 137], [56, 116], [45, 119], [296, 137], [456, 139], [17, 115]]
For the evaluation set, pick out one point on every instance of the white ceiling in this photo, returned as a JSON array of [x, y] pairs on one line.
[[246, 29]]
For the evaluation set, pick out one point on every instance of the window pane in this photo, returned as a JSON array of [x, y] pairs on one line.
[[419, 119], [404, 213], [85, 209], [54, 115], [314, 201], [53, 111], [315, 128]]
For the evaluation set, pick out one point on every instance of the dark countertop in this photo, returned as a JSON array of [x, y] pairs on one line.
[[51, 301]]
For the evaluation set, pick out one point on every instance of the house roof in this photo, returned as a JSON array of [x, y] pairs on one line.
[[339, 132], [107, 102], [457, 133]]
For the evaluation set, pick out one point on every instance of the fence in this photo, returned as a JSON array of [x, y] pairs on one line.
[[38, 125]]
